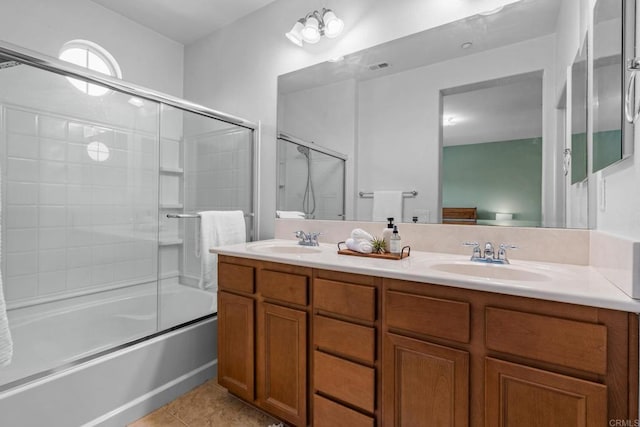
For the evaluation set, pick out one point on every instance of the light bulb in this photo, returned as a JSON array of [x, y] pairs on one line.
[[332, 24], [311, 30], [295, 34]]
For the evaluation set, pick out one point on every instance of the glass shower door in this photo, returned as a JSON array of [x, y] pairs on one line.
[[206, 164], [79, 219]]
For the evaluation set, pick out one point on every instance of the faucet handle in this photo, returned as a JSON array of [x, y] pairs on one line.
[[476, 249], [502, 252]]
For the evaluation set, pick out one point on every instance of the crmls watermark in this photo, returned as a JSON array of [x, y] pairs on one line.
[[624, 423]]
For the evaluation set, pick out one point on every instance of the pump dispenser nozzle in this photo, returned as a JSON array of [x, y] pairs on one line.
[[386, 234]]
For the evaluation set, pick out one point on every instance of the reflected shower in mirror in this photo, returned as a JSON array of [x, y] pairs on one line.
[[382, 107], [497, 167], [310, 181]]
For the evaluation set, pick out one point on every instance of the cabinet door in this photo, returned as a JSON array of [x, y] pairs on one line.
[[236, 344], [518, 395], [424, 384], [282, 362]]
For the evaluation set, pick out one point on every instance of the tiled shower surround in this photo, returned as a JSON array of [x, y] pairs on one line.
[[72, 223], [218, 174]]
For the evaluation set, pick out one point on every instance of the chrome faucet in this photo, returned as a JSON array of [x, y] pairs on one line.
[[488, 251], [307, 239], [489, 255]]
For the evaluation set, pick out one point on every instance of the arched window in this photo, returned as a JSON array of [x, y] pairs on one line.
[[94, 57]]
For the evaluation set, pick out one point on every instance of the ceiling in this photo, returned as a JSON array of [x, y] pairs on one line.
[[184, 21], [506, 109]]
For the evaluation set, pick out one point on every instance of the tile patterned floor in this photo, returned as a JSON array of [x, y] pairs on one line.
[[208, 405]]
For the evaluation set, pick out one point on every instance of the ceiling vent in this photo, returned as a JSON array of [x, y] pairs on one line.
[[379, 66]]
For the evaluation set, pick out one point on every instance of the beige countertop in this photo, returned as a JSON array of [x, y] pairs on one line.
[[568, 283]]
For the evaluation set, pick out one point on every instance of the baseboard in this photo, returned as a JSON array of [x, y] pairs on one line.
[[156, 398]]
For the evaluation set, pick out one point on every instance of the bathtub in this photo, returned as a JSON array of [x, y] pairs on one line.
[[55, 377]]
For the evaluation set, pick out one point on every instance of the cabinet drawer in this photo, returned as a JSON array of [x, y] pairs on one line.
[[429, 316], [344, 380], [345, 338], [569, 343], [285, 287], [235, 277], [327, 413], [356, 301]]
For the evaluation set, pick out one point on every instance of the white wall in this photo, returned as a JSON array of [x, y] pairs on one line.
[[145, 57], [399, 120], [235, 69]]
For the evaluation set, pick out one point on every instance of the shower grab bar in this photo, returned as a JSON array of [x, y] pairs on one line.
[[191, 215], [369, 194]]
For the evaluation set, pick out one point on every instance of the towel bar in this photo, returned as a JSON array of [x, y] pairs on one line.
[[369, 194], [194, 215]]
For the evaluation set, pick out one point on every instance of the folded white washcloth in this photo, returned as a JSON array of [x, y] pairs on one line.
[[361, 246], [290, 214], [360, 234]]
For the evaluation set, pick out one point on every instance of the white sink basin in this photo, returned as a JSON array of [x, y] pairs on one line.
[[492, 271], [285, 248]]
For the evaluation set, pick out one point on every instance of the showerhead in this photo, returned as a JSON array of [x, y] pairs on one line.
[[303, 150]]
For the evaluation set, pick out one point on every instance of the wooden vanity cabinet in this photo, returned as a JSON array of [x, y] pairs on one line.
[[236, 315], [425, 383], [263, 323], [457, 357], [324, 348]]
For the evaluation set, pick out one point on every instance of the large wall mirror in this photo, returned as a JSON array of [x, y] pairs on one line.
[[464, 115], [611, 139]]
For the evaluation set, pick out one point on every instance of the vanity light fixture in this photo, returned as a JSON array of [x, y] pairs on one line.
[[315, 25]]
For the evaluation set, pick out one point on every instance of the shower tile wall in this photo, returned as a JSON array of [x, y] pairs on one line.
[[72, 223], [217, 177]]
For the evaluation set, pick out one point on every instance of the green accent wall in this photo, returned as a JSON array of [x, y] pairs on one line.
[[578, 157], [504, 176], [607, 148]]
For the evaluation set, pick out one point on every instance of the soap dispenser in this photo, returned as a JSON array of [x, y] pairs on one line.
[[386, 235], [395, 242]]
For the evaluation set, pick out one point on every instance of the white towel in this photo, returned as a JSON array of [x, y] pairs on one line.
[[387, 204], [217, 228], [6, 343], [290, 214], [361, 246], [360, 234]]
